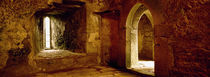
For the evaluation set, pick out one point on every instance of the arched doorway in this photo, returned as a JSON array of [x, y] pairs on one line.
[[140, 40]]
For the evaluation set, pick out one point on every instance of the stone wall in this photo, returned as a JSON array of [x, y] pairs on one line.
[[186, 30], [69, 32], [181, 33], [109, 37], [181, 36], [16, 27]]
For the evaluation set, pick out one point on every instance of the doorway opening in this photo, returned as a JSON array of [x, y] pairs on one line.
[[140, 40]]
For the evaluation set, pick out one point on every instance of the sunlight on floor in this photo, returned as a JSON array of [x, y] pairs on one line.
[[51, 50], [146, 64], [145, 67]]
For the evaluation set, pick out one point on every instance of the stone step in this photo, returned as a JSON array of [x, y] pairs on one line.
[[58, 60]]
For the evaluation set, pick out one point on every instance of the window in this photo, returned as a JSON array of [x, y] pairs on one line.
[[47, 32]]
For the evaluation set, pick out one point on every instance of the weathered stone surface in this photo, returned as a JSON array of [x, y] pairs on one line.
[[51, 60], [88, 71], [181, 34], [15, 25]]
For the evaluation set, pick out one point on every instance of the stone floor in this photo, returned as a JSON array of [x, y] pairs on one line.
[[75, 70], [90, 71], [54, 63]]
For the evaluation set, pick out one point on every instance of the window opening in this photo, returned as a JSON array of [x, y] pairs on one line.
[[47, 32]]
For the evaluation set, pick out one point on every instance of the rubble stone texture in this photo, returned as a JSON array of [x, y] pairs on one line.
[[181, 33], [16, 25], [181, 36]]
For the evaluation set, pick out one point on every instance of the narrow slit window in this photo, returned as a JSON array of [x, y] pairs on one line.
[[47, 33]]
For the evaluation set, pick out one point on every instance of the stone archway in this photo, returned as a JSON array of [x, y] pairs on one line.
[[134, 36]]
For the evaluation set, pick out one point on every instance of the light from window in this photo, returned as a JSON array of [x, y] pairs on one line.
[[47, 29]]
